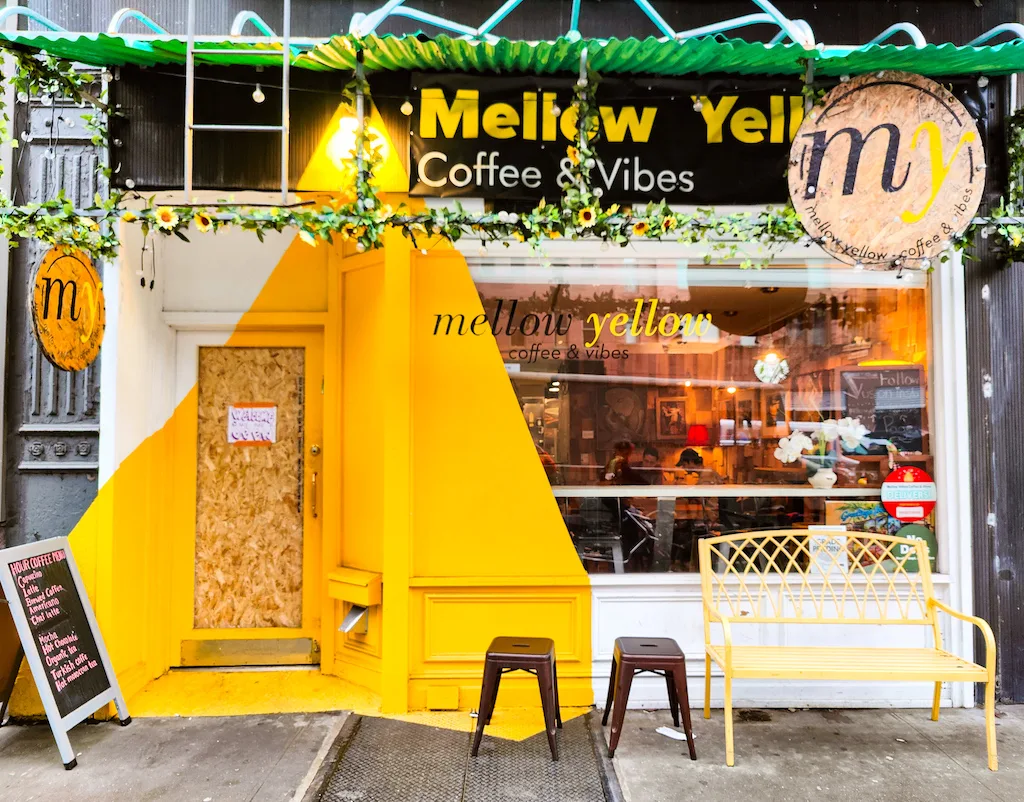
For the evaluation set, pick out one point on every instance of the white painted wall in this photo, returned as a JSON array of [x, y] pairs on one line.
[[203, 285]]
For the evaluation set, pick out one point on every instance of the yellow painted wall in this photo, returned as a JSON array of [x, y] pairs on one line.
[[491, 554], [430, 477]]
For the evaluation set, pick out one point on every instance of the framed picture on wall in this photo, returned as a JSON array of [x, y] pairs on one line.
[[672, 418], [776, 413]]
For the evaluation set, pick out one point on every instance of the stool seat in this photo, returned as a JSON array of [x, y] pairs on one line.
[[633, 656], [506, 648], [535, 655], [648, 647]]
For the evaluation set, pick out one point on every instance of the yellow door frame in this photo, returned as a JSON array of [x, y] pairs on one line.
[[282, 333]]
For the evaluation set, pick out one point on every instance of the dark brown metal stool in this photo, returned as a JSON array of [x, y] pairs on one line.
[[656, 656], [535, 655]]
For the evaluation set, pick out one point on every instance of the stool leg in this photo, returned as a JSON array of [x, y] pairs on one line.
[[673, 701], [494, 695], [611, 695], [491, 671], [683, 700], [558, 706], [547, 701], [625, 679]]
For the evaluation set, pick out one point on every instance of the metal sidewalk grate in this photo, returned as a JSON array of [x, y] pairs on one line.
[[394, 761]]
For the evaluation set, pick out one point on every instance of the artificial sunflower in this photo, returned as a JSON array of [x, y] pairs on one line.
[[586, 216], [668, 224], [573, 153], [1015, 238], [202, 221], [640, 228], [166, 218], [129, 217], [92, 225]]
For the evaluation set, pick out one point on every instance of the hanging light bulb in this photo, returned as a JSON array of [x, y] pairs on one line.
[[257, 94], [406, 108]]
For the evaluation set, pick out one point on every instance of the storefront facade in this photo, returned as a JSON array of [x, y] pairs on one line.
[[479, 440]]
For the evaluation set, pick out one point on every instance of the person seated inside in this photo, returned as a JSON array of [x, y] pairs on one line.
[[650, 471], [693, 470]]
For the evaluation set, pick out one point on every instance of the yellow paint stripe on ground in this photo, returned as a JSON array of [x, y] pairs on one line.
[[247, 693], [242, 693]]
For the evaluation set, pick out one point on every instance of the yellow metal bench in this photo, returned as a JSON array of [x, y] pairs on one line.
[[796, 576]]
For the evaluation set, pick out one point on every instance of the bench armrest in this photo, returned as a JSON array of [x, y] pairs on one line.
[[980, 623], [714, 615]]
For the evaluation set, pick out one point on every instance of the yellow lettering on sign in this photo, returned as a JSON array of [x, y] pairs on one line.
[[638, 127], [529, 115], [778, 119], [500, 120], [796, 115], [567, 123], [939, 168], [715, 116], [435, 111], [747, 124]]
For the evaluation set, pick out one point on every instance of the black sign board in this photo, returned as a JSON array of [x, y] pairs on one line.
[[889, 402], [685, 141], [58, 631]]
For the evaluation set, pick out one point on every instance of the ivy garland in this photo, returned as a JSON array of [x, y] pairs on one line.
[[364, 217]]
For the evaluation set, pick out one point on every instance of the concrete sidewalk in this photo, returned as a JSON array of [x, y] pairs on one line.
[[834, 755], [268, 758]]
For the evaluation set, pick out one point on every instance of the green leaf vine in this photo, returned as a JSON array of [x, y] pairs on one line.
[[578, 214]]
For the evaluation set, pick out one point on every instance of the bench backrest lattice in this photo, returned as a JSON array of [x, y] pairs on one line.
[[816, 577]]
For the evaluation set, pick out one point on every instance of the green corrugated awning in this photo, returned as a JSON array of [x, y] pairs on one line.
[[651, 56]]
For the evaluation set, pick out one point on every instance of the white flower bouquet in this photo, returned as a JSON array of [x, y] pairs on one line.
[[849, 430]]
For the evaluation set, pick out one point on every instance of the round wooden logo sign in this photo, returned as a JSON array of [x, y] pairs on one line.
[[67, 309], [886, 169]]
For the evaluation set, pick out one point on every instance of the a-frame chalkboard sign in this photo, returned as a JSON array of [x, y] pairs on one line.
[[58, 631]]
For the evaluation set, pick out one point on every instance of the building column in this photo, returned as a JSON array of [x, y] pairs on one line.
[[396, 409]]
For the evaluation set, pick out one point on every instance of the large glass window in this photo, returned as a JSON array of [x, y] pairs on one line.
[[669, 402]]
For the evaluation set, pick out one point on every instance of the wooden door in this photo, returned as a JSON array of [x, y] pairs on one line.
[[258, 496]]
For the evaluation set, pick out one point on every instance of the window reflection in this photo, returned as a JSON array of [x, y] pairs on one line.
[[695, 384]]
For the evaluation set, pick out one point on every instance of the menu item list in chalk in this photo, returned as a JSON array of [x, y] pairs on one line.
[[60, 629]]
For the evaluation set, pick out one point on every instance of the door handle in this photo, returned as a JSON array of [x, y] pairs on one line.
[[314, 495]]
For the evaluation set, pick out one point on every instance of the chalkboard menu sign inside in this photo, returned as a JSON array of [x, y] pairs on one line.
[[889, 402], [58, 631]]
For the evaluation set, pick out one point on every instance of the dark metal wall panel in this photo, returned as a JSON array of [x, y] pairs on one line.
[[52, 437], [152, 128]]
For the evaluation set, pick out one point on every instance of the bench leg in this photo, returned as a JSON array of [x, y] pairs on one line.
[[990, 724], [936, 698], [707, 686], [730, 756]]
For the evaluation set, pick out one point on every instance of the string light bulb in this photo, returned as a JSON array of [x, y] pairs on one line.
[[257, 94], [406, 108]]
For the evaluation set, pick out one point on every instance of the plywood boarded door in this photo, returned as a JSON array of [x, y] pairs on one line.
[[257, 530]]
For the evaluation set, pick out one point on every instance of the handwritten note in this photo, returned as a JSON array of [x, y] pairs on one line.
[[252, 424]]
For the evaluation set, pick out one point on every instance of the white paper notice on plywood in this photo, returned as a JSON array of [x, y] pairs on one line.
[[252, 424]]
